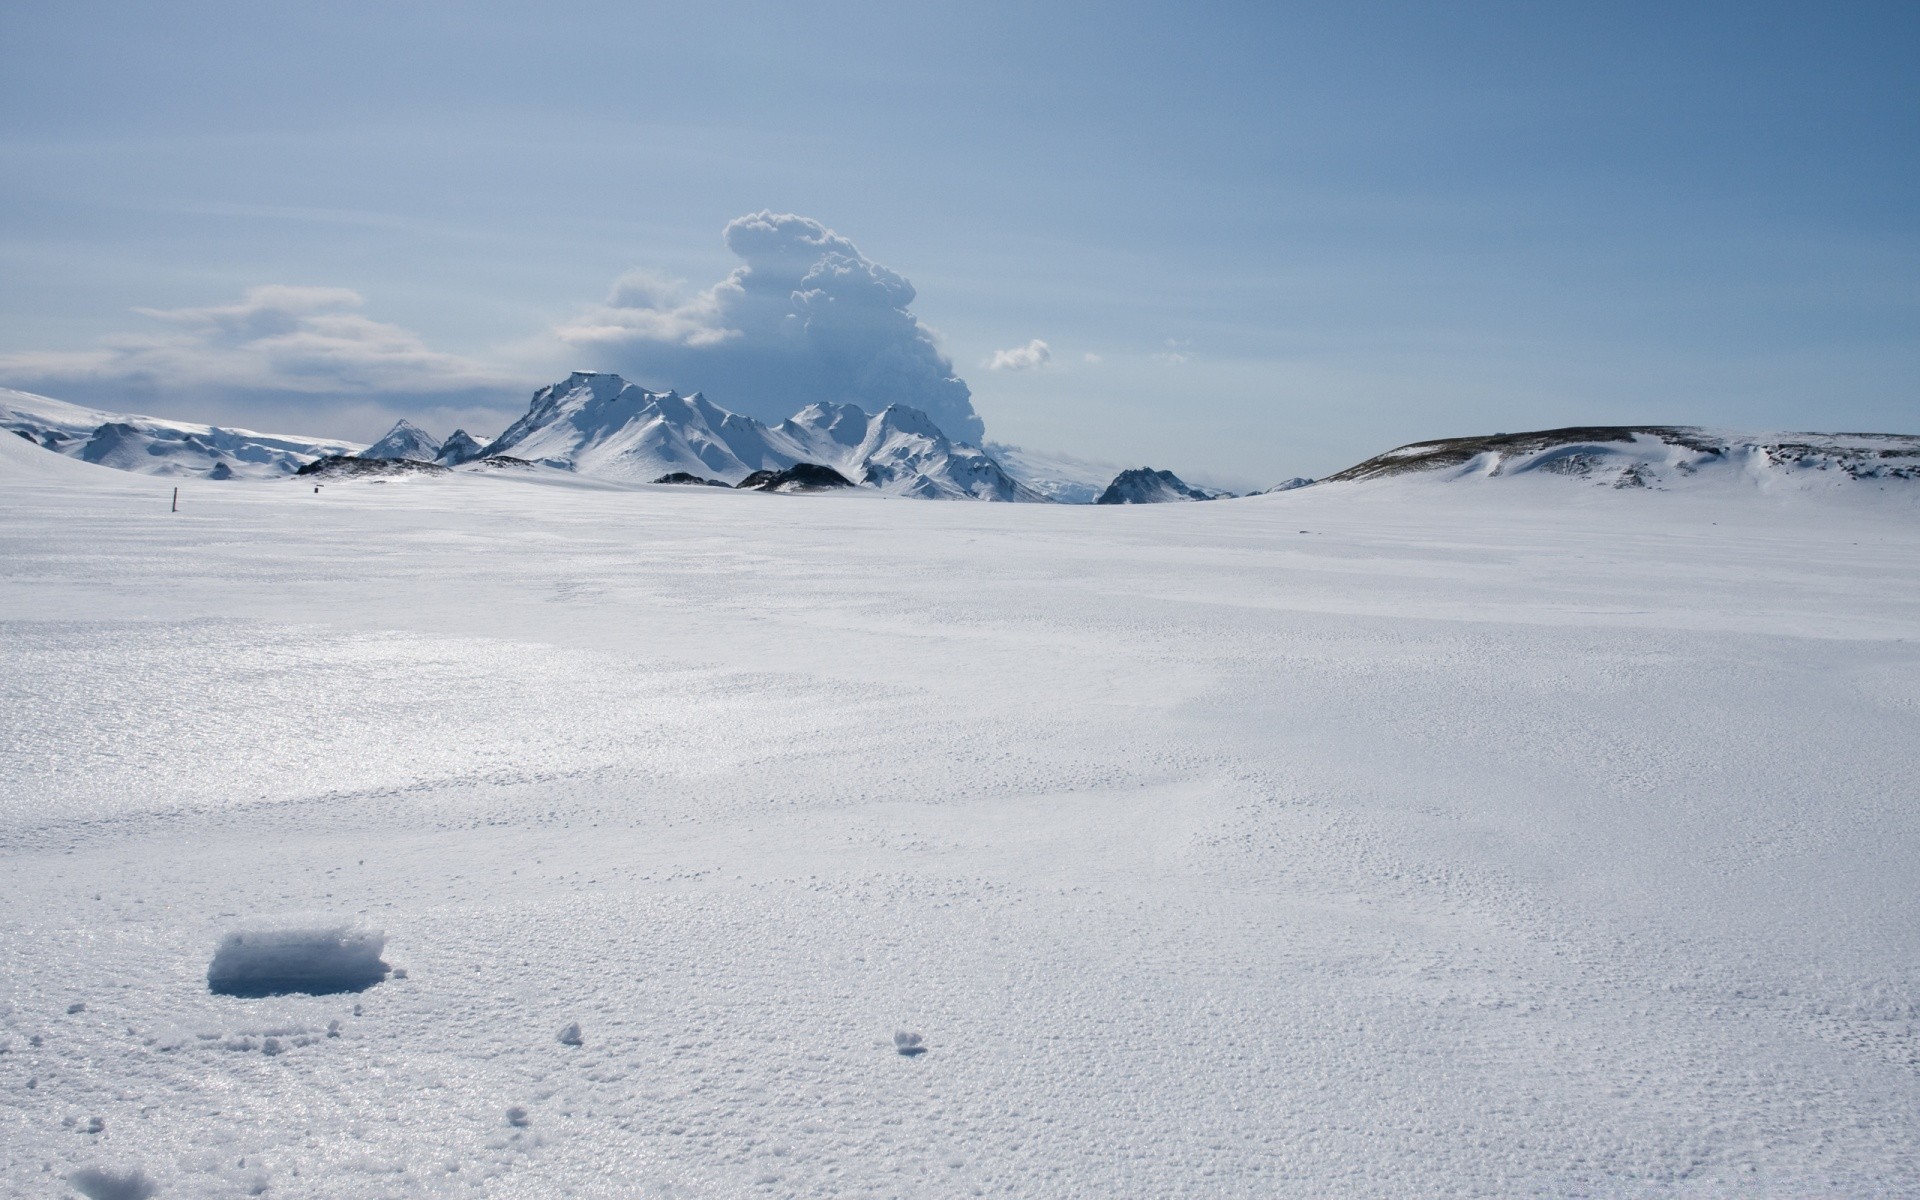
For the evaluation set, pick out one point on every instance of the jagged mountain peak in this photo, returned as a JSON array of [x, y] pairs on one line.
[[460, 447], [600, 424], [405, 441]]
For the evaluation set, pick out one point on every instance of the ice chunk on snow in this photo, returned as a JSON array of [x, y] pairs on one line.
[[908, 1043], [276, 960], [570, 1036], [96, 1183]]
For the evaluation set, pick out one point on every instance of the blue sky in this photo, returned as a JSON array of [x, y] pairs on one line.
[[1256, 240]]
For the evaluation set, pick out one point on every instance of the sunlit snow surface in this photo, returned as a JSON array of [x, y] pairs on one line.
[[1407, 839]]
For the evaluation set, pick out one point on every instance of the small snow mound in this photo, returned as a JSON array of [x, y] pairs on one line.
[[97, 1183], [317, 960], [570, 1036], [908, 1044], [518, 1118]]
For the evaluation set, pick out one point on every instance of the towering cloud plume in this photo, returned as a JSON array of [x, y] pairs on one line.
[[806, 319]]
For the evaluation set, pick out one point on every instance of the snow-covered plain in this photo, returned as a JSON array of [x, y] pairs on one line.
[[1397, 839]]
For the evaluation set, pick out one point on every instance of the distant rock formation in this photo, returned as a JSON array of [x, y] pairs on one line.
[[353, 466], [460, 447], [1144, 485], [800, 477]]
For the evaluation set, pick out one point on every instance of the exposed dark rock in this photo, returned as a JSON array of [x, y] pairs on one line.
[[350, 466], [1453, 452], [800, 477], [688, 477], [1144, 485], [458, 448]]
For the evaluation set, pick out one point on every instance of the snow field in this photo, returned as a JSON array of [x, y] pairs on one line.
[[1458, 846]]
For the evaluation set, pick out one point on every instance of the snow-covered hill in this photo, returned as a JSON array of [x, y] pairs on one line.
[[155, 446], [1656, 456], [596, 423], [1144, 485]]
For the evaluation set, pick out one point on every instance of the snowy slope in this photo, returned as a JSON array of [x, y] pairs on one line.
[[1658, 457], [1063, 478], [153, 446], [1395, 840], [900, 451], [599, 424], [405, 441]]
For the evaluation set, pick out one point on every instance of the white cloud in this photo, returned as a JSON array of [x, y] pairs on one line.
[[806, 319], [1175, 353], [1021, 358], [1092, 359], [298, 357], [277, 338]]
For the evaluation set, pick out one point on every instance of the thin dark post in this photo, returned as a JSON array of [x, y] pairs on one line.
[[176, 500]]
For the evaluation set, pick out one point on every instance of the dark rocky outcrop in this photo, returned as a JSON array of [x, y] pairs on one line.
[[800, 477], [352, 466], [1144, 485]]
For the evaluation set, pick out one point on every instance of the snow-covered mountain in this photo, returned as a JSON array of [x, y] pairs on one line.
[[1063, 478], [597, 423], [406, 441], [1144, 485], [154, 446], [460, 447], [1656, 456]]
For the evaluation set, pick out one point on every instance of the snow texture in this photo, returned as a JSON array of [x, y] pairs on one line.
[[1391, 838], [319, 960]]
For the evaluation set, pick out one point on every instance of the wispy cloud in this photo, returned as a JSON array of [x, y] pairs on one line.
[[1021, 358], [277, 338], [281, 353], [1175, 353]]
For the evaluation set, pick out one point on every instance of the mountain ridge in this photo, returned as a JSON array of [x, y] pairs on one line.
[[597, 423]]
